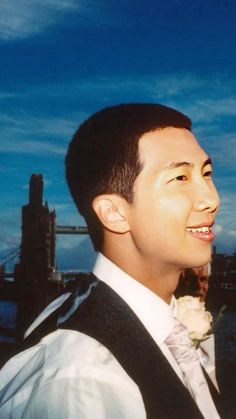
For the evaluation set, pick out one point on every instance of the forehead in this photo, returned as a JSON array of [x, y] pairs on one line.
[[165, 146]]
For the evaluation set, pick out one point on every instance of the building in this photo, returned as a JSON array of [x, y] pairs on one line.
[[37, 256]]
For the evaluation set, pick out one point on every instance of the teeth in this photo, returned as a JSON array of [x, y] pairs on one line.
[[199, 230]]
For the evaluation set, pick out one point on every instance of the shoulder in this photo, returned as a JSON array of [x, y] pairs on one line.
[[68, 351], [79, 355], [68, 368]]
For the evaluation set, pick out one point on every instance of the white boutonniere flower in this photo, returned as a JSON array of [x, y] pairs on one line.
[[192, 314]]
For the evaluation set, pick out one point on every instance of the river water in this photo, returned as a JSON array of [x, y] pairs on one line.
[[7, 318]]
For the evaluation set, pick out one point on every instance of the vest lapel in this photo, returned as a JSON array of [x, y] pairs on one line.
[[215, 395]]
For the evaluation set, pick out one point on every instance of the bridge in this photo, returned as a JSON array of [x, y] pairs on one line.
[[71, 230]]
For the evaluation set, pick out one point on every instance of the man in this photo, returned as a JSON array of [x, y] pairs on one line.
[[203, 274], [194, 282], [144, 187]]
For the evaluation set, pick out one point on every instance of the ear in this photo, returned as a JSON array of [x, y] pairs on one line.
[[110, 209]]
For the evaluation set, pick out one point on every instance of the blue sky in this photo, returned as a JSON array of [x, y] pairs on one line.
[[61, 60]]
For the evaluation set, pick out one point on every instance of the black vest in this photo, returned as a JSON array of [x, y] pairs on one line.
[[103, 315]]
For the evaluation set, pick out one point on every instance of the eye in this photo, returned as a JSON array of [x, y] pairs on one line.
[[181, 178], [208, 174]]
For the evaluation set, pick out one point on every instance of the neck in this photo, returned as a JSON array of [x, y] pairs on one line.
[[162, 280], [163, 284]]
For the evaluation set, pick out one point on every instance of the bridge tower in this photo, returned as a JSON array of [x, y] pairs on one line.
[[37, 255]]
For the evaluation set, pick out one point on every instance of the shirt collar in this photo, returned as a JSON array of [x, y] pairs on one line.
[[155, 314]]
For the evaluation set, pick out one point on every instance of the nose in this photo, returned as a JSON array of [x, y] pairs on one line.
[[208, 199]]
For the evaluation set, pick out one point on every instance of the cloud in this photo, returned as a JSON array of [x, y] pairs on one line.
[[9, 95], [207, 110], [31, 147], [25, 123], [205, 99], [202, 98], [225, 219], [10, 235], [154, 86], [174, 85], [218, 229], [221, 146], [75, 254], [225, 230], [20, 19], [228, 205], [223, 106], [68, 215], [27, 134], [233, 233]]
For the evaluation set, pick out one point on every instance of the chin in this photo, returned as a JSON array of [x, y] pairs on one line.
[[199, 261], [201, 258]]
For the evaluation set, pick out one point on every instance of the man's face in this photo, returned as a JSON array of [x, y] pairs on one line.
[[175, 201], [202, 279]]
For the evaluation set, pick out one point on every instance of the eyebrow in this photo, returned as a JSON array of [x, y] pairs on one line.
[[175, 165], [208, 161]]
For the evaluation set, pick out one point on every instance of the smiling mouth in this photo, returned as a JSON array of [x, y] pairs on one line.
[[205, 230], [204, 233]]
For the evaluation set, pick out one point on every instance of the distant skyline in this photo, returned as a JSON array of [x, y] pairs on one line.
[[61, 60]]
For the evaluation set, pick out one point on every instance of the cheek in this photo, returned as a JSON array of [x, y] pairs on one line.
[[173, 210], [160, 216], [205, 287]]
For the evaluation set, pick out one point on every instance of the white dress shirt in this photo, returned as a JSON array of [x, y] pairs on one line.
[[69, 375]]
